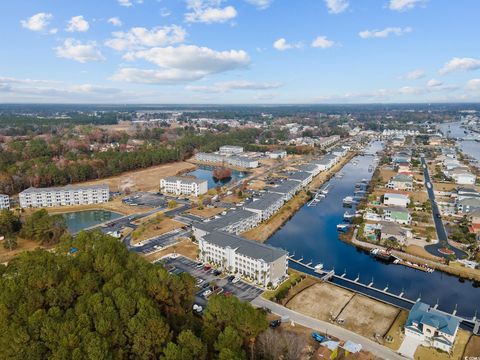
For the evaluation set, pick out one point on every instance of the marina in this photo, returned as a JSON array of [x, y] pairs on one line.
[[313, 231]]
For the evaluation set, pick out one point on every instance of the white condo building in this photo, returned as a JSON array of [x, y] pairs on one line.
[[183, 186], [260, 262], [230, 149], [64, 196], [4, 201]]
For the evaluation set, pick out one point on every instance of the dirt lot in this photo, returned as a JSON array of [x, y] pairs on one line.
[[368, 317], [321, 300], [257, 185], [125, 126], [444, 186], [206, 212], [458, 349], [473, 347], [146, 179], [186, 248]]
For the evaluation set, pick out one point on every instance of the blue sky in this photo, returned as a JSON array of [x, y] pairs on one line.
[[243, 51]]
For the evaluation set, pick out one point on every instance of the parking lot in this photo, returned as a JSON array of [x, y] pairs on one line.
[[153, 200], [241, 290], [160, 242]]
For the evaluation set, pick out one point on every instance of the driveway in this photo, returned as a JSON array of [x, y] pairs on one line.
[[409, 346]]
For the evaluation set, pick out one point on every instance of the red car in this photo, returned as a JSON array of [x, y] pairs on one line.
[[206, 267], [227, 293]]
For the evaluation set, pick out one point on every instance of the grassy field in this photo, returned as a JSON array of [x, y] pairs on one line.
[[421, 252], [206, 212], [185, 247], [463, 336], [396, 331], [23, 245], [156, 226]]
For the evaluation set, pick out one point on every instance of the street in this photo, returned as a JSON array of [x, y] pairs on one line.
[[328, 328]]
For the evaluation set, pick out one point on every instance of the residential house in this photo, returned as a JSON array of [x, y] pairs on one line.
[[431, 326], [400, 182], [394, 232], [396, 199], [4, 202], [314, 169], [397, 214], [302, 176]]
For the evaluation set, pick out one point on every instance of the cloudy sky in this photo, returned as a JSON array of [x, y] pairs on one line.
[[239, 51]]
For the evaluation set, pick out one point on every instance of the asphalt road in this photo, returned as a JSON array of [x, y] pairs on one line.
[[331, 329], [437, 219]]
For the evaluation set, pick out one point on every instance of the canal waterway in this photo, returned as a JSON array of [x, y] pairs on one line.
[[79, 220], [205, 172], [469, 147], [312, 234]]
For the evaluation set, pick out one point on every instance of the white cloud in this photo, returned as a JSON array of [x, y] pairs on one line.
[[209, 11], [78, 51], [115, 21], [140, 37], [126, 3], [415, 74], [366, 34], [282, 45], [261, 4], [408, 90], [322, 42], [164, 12], [37, 22], [432, 83], [222, 87], [181, 64], [336, 6], [460, 64], [402, 5], [77, 24], [473, 84]]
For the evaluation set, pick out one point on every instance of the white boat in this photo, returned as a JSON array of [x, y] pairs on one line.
[[318, 267]]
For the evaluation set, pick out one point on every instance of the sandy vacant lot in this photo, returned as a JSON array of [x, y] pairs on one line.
[[152, 228], [146, 179], [321, 300], [368, 317], [185, 247]]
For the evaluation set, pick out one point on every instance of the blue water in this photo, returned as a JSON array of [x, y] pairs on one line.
[[205, 172], [471, 148], [79, 220], [312, 234]]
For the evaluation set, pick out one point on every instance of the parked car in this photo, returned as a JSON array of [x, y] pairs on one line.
[[275, 323], [205, 285], [197, 308], [207, 268], [231, 277], [200, 281], [199, 265], [217, 272], [317, 337], [207, 293], [236, 279]]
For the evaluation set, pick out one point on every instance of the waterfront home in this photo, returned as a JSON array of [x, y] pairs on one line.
[[4, 201], [181, 185], [400, 182], [432, 327], [396, 199], [64, 196], [287, 189], [403, 168], [301, 176], [468, 204], [263, 263], [277, 154], [394, 232], [339, 152], [402, 157], [266, 206], [462, 176], [449, 152], [230, 150], [397, 214], [326, 163], [234, 222], [372, 216]]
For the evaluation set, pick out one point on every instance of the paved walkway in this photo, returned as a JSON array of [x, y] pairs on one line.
[[334, 330]]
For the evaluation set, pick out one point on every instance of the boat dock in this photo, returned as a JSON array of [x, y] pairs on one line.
[[319, 195], [371, 290]]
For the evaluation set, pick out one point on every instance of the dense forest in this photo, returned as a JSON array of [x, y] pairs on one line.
[[51, 160], [92, 299]]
